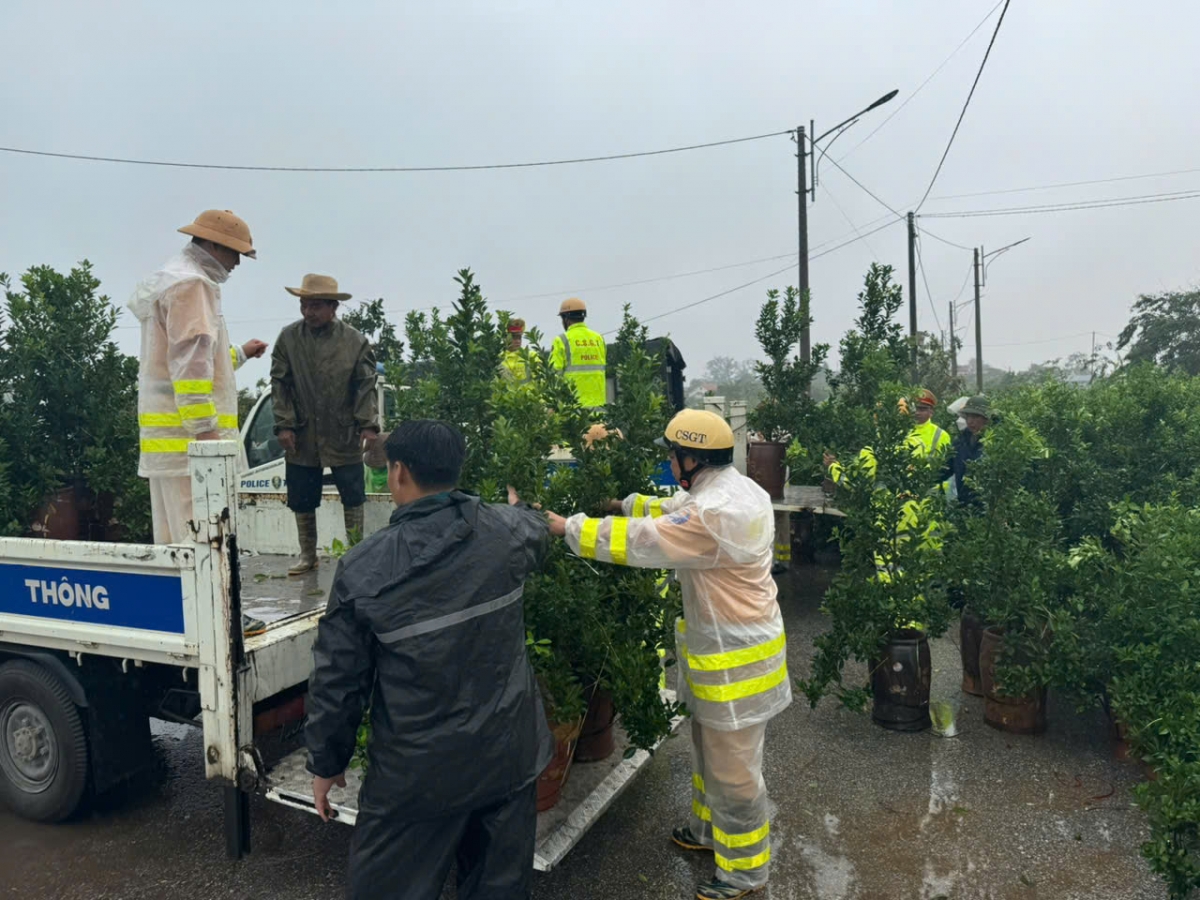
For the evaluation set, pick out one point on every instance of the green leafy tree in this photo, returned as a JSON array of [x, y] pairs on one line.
[[1164, 329], [786, 378], [71, 395], [891, 575], [370, 318], [875, 351]]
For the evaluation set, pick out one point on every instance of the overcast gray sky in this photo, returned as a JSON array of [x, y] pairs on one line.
[[1074, 90]]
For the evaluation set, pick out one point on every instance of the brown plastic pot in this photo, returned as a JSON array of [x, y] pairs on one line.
[[554, 777], [596, 737], [766, 464], [970, 634], [58, 516], [1016, 715]]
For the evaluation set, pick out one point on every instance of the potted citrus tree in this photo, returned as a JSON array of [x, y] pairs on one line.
[[889, 597]]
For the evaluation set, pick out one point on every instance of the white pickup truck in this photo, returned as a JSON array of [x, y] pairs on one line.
[[96, 638]]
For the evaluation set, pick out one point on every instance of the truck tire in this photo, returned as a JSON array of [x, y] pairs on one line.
[[43, 747]]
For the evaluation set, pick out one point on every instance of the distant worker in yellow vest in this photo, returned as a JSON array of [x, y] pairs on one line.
[[927, 438], [516, 364], [580, 354]]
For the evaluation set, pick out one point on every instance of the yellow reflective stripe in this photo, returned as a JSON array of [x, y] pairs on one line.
[[195, 386], [656, 509], [733, 841], [160, 420], [698, 782], [703, 813], [639, 505], [750, 862], [175, 420], [731, 659], [682, 626], [233, 356], [738, 690], [198, 410], [587, 538], [165, 445], [619, 540]]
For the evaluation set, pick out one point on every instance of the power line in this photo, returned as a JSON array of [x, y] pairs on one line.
[[911, 96], [963, 288], [961, 115], [1061, 337], [849, 222], [1067, 207], [624, 284], [1066, 184], [928, 293], [732, 290], [942, 239], [360, 169]]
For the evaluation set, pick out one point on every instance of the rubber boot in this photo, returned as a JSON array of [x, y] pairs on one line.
[[306, 527], [354, 525]]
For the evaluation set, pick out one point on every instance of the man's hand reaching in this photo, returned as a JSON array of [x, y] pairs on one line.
[[321, 788]]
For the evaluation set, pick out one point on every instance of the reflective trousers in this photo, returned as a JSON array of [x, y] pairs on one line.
[[730, 811], [171, 509], [393, 859], [783, 539]]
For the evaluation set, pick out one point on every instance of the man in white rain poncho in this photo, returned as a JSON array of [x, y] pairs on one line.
[[732, 658], [186, 386]]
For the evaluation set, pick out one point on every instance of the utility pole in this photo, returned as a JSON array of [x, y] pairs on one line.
[[802, 214], [953, 345], [912, 291], [978, 331]]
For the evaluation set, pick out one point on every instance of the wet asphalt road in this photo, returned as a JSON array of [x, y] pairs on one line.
[[862, 814]]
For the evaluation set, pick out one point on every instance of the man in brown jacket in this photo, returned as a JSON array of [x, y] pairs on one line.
[[326, 410]]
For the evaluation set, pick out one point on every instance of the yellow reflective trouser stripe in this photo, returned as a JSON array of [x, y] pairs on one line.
[[733, 841], [731, 659], [703, 813], [175, 420], [195, 386], [750, 862], [165, 445], [619, 540], [198, 410], [738, 690], [587, 538], [698, 781]]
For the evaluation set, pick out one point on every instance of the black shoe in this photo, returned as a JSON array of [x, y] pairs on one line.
[[688, 841], [779, 569]]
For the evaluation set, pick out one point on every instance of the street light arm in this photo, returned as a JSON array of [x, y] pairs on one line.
[[997, 253], [882, 100], [824, 151]]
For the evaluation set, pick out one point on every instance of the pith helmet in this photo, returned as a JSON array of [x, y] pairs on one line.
[[516, 326], [222, 227], [701, 434], [977, 406], [572, 305], [318, 287], [926, 398]]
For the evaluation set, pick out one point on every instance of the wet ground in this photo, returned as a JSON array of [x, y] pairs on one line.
[[863, 814]]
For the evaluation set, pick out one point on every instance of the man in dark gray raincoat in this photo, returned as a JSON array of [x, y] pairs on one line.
[[425, 622], [326, 410]]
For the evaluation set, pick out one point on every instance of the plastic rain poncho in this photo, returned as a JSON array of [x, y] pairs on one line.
[[730, 642], [186, 384], [730, 646]]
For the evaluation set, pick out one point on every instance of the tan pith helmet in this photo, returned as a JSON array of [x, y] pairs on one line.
[[572, 305], [318, 287], [222, 227]]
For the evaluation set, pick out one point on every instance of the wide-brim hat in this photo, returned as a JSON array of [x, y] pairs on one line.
[[222, 227], [318, 287]]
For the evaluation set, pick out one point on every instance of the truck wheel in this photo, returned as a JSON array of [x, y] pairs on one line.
[[43, 749]]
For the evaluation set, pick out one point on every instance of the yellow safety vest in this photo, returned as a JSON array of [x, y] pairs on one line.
[[581, 356], [515, 366]]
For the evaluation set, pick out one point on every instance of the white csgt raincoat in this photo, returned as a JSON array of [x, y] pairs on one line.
[[186, 384], [730, 644]]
